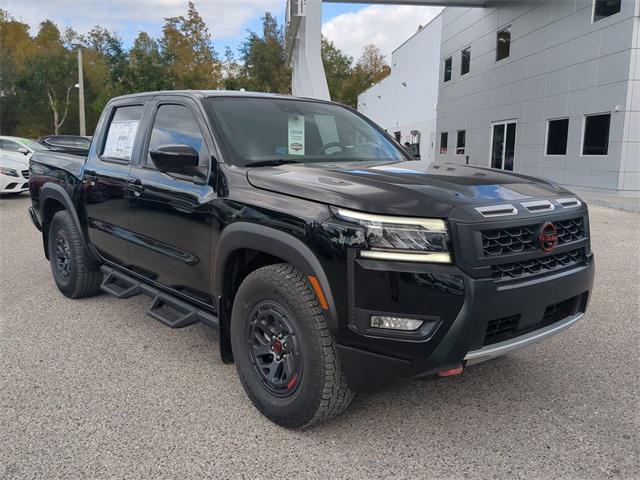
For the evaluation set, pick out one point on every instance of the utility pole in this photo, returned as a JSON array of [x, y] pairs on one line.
[[83, 126]]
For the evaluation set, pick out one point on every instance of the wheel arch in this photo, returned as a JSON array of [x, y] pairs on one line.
[[276, 246]]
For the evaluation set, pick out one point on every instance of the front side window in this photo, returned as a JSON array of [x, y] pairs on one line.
[[448, 67], [557, 134], [605, 8], [444, 142], [596, 134], [461, 141], [176, 125], [503, 47], [272, 129], [121, 133], [465, 64], [9, 146]]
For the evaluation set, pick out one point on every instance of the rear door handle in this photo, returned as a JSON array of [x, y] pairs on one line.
[[135, 185]]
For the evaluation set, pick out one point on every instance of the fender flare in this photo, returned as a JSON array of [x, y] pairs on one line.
[[275, 242], [53, 191]]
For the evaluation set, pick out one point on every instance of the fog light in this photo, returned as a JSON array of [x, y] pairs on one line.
[[395, 323]]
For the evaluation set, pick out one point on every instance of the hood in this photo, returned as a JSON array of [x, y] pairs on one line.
[[400, 189], [14, 164]]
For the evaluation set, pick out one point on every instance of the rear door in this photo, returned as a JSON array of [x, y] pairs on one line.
[[105, 181], [171, 214]]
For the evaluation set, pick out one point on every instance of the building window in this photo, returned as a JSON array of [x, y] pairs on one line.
[[503, 44], [448, 64], [596, 134], [444, 141], [557, 133], [605, 8], [460, 143], [465, 64], [398, 136]]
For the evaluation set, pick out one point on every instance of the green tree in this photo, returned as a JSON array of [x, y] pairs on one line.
[[337, 67], [263, 57], [188, 52], [146, 66], [370, 68]]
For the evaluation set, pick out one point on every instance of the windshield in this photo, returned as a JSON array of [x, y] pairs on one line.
[[33, 145], [268, 129]]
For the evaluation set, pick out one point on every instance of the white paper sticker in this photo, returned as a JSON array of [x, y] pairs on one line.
[[296, 135], [122, 134]]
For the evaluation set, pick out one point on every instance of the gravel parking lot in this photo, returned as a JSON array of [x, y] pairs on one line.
[[94, 388]]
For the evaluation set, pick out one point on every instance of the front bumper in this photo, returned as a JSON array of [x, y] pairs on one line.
[[541, 307]]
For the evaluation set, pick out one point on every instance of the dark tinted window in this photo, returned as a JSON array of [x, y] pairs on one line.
[[176, 124], [398, 136], [465, 64], [272, 129], [605, 8], [121, 133], [557, 134], [447, 69], [461, 141], [444, 141], [596, 135], [503, 44]]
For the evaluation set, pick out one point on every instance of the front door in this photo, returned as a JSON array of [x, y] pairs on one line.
[[503, 145], [170, 214]]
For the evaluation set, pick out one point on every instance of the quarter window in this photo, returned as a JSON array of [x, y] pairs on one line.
[[596, 134], [461, 141], [503, 47], [176, 124], [444, 141], [121, 134], [465, 64], [557, 134], [605, 8], [448, 64]]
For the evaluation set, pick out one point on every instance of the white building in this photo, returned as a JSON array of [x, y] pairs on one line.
[[404, 103], [547, 88]]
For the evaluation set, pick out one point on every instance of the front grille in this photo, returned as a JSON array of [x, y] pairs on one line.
[[556, 312], [524, 239], [25, 173], [551, 263]]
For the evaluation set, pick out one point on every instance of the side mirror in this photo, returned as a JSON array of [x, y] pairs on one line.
[[182, 159], [23, 151]]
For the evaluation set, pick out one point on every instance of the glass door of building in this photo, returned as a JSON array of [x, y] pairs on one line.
[[503, 145]]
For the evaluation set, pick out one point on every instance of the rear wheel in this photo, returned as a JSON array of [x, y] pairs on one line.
[[284, 353], [76, 276]]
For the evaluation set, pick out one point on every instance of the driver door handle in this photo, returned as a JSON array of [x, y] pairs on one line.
[[135, 185]]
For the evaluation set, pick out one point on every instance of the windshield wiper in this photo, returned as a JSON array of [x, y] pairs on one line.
[[270, 163]]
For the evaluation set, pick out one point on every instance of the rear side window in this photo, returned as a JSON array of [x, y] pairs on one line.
[[176, 124], [121, 133], [9, 146]]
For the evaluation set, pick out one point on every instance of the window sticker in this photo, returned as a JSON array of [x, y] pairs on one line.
[[122, 134], [296, 135]]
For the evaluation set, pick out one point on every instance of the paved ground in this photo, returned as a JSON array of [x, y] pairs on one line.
[[93, 388]]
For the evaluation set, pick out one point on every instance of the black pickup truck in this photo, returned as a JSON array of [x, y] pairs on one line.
[[307, 236]]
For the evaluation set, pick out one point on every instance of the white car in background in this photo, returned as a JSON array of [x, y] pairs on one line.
[[18, 148], [14, 175]]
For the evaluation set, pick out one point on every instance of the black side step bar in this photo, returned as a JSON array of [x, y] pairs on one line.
[[165, 308]]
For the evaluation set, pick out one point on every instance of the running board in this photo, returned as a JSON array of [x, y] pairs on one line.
[[165, 308]]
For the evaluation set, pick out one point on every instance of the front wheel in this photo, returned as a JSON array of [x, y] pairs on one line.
[[284, 353]]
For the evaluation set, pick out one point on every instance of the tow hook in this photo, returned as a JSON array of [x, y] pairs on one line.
[[451, 372]]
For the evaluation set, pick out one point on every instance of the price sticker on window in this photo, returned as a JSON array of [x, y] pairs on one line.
[[296, 135]]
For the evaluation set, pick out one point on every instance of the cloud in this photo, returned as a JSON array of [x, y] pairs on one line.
[[225, 18], [384, 25]]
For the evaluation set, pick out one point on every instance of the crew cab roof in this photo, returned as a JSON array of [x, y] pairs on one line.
[[199, 94]]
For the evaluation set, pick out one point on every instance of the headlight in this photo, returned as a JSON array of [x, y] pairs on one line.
[[8, 171], [402, 238]]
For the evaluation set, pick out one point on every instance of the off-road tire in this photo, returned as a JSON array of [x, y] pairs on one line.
[[84, 277], [322, 392]]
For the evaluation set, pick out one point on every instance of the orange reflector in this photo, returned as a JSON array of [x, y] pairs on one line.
[[451, 372], [313, 280]]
